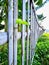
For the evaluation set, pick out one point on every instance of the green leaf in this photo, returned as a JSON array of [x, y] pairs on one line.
[[39, 2], [41, 17], [20, 21]]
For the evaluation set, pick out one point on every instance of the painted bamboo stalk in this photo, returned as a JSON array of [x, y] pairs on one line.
[[28, 32], [15, 30], [32, 37], [23, 31], [10, 30]]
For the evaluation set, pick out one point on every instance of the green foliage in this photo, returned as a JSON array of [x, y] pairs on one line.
[[41, 55], [19, 52], [35, 0], [4, 55], [20, 21], [20, 4], [42, 51], [41, 17], [4, 10], [2, 26], [39, 2], [20, 9]]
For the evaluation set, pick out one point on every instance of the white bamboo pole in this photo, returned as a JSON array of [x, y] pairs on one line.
[[15, 30], [28, 32], [34, 33], [23, 32], [10, 30], [32, 37]]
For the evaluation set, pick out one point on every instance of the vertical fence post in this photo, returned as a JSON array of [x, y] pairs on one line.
[[32, 36], [28, 32], [15, 30], [10, 30], [23, 32]]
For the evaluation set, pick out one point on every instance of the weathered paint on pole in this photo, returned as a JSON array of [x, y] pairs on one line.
[[15, 30], [23, 31], [31, 34], [32, 37], [28, 32], [10, 30]]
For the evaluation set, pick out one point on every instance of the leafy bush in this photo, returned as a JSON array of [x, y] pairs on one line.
[[42, 51], [4, 54], [41, 55]]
